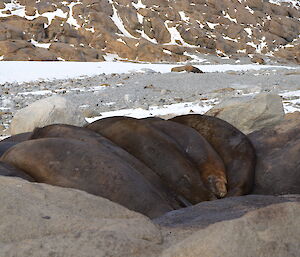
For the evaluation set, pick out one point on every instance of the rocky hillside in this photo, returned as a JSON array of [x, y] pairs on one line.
[[148, 30]]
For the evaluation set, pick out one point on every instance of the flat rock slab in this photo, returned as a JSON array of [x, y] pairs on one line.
[[238, 226], [206, 213]]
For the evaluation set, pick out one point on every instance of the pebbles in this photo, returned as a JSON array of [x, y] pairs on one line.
[[144, 89]]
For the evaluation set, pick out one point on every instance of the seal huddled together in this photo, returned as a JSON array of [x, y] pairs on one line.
[[148, 165]]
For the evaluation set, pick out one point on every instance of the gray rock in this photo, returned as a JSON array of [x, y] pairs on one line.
[[277, 150], [51, 110], [40, 220], [250, 113], [265, 226]]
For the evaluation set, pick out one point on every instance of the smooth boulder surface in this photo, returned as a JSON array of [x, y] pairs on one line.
[[39, 220], [277, 148], [250, 113], [265, 226], [50, 110]]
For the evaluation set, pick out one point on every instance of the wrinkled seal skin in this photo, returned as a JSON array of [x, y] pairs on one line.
[[210, 166], [76, 164], [159, 152], [10, 171], [88, 136], [232, 146]]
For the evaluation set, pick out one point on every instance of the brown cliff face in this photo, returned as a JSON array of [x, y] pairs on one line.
[[147, 30]]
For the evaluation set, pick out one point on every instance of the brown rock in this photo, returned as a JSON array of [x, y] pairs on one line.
[[70, 53], [187, 68], [277, 148], [257, 59], [30, 10]]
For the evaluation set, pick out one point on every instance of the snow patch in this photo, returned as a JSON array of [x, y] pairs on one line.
[[227, 16], [139, 5], [212, 25], [175, 36], [22, 71], [249, 31], [118, 21], [183, 16], [176, 109], [249, 9], [71, 20], [42, 45]]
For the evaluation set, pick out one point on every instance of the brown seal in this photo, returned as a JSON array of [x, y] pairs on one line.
[[11, 171], [89, 167], [159, 152], [4, 146], [88, 136], [209, 164], [17, 137], [232, 146]]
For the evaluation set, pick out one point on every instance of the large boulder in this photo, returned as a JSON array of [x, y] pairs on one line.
[[246, 226], [250, 113], [277, 149], [40, 220], [51, 110]]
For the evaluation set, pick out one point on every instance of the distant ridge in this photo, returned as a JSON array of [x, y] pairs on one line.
[[149, 30]]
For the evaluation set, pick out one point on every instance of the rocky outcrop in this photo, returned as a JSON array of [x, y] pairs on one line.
[[40, 220], [238, 226], [143, 29], [250, 113], [187, 68], [277, 148], [51, 110], [43, 220]]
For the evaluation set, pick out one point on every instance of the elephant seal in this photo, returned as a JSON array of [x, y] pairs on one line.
[[210, 166], [233, 147], [10, 171], [72, 163], [159, 152], [17, 137], [4, 146], [91, 137]]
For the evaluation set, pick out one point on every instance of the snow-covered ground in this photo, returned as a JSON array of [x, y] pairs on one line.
[[32, 71], [17, 96]]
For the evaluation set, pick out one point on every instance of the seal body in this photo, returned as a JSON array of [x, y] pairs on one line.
[[4, 146], [159, 152], [195, 147], [10, 171], [232, 146], [17, 138], [81, 165], [91, 137]]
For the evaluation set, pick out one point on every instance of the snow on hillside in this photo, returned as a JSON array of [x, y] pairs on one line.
[[32, 71], [151, 31]]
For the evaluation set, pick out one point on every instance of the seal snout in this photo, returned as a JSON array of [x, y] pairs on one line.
[[218, 186]]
